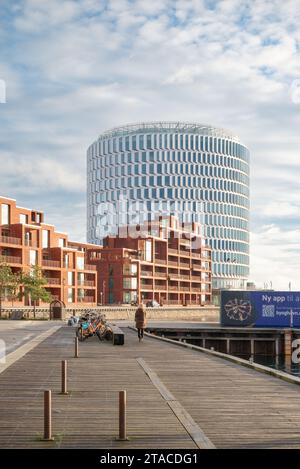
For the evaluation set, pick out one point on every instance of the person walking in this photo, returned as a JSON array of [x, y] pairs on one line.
[[140, 321]]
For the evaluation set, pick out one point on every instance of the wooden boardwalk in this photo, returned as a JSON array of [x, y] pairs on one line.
[[235, 407]]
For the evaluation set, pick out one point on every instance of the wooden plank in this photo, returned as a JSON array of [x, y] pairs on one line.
[[191, 426], [156, 381], [183, 416]]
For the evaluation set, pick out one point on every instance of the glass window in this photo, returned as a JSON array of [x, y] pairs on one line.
[[70, 295], [45, 238], [80, 263], [61, 242], [149, 144], [32, 257], [23, 218], [130, 269], [5, 214], [70, 278]]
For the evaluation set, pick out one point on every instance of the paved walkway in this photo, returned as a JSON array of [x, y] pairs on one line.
[[234, 406], [17, 333]]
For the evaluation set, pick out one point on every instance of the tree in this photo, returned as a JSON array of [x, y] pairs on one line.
[[34, 283], [9, 283]]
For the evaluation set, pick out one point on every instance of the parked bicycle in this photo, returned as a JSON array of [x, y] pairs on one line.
[[93, 323]]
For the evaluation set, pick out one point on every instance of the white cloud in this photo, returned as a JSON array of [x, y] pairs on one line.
[[83, 66]]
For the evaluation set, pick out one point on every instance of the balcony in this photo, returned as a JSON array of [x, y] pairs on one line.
[[184, 265], [173, 288], [160, 261], [90, 267], [89, 283], [173, 251], [10, 240], [160, 287], [184, 253], [146, 287], [145, 273], [160, 274], [197, 255], [50, 263], [196, 278], [197, 267], [53, 281], [10, 259], [173, 263], [86, 299]]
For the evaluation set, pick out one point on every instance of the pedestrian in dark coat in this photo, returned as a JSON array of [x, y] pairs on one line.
[[140, 321]]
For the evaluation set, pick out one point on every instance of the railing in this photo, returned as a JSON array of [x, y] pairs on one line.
[[172, 288], [160, 274], [197, 267], [86, 299], [144, 273], [146, 287], [10, 240], [184, 265], [10, 259], [50, 263], [173, 251], [89, 283], [53, 281], [90, 267], [196, 254], [195, 279], [160, 287], [186, 242], [173, 263], [185, 253], [160, 261]]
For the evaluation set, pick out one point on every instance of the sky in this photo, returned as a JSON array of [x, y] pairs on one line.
[[74, 68]]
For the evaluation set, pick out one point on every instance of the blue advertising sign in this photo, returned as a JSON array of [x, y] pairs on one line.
[[260, 308]]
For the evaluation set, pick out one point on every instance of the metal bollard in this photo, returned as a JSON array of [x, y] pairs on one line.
[[76, 347], [47, 416], [64, 377], [122, 416]]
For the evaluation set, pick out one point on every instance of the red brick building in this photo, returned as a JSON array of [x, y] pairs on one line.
[[166, 262], [26, 240]]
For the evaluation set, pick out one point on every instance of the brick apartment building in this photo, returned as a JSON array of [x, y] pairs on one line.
[[26, 240], [166, 262]]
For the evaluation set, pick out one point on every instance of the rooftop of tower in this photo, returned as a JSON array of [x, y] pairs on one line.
[[169, 126]]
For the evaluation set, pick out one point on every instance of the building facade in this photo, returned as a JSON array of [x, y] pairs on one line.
[[25, 240], [162, 261], [191, 169]]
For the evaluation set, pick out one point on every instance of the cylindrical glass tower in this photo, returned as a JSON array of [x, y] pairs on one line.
[[177, 163]]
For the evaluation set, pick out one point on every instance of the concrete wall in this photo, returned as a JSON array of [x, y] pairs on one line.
[[205, 314]]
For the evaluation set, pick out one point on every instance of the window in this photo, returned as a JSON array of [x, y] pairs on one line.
[[45, 238], [130, 283], [80, 278], [70, 295], [70, 278], [32, 257], [23, 218], [5, 214], [80, 263], [129, 269], [61, 242]]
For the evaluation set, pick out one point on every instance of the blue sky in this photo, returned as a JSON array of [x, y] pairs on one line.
[[74, 68]]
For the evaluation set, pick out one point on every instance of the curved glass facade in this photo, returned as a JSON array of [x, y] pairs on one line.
[[178, 162]]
